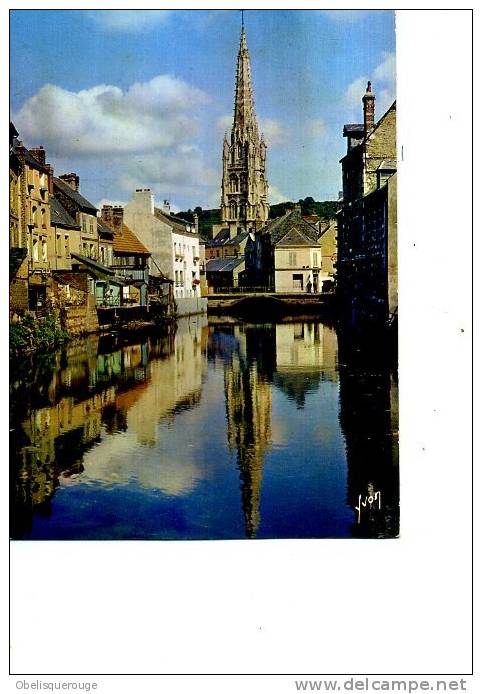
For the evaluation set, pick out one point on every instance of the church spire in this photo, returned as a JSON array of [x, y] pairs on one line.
[[244, 116], [244, 189]]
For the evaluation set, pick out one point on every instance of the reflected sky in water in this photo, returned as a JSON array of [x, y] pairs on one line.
[[226, 431]]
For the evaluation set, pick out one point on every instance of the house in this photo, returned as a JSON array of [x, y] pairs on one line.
[[367, 224], [130, 257], [223, 246], [223, 273], [66, 190], [66, 236], [186, 254], [172, 242]]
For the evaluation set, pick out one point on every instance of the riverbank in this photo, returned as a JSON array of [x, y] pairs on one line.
[[31, 335]]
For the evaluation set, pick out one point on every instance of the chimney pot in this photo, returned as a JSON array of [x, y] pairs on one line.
[[72, 180], [39, 154]]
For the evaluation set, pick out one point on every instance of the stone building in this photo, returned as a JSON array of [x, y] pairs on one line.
[[172, 242], [66, 190], [244, 190], [130, 256], [367, 222]]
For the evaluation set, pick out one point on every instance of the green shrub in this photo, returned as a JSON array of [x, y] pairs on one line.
[[36, 334]]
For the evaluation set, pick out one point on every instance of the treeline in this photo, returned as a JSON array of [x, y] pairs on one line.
[[324, 210]]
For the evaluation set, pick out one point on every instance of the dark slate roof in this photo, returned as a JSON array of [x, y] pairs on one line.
[[296, 237], [292, 222], [92, 264], [353, 130], [224, 264], [79, 200], [16, 258], [32, 162], [104, 231], [237, 239], [59, 215], [220, 238]]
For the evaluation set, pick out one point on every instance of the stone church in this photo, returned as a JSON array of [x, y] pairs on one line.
[[244, 190]]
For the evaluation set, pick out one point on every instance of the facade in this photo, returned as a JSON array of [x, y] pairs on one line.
[[66, 190], [367, 226], [65, 235], [244, 190], [222, 246], [172, 242], [130, 257]]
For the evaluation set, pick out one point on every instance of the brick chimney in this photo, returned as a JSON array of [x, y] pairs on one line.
[[106, 216], [71, 179], [39, 154], [50, 178], [117, 218], [368, 109]]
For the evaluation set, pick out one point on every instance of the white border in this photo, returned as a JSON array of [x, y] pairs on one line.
[[398, 606]]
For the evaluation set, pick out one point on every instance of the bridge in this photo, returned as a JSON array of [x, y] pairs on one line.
[[265, 301]]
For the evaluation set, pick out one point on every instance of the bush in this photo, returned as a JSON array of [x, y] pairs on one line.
[[36, 334]]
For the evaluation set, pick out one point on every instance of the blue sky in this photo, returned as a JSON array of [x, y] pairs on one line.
[[132, 99]]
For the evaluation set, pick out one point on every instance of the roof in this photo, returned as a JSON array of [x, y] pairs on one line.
[[59, 215], [178, 225], [104, 231], [127, 242], [92, 264], [224, 264], [79, 200], [16, 258], [220, 238], [237, 239], [296, 237], [353, 130], [291, 222]]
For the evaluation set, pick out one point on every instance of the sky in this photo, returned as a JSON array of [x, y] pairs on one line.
[[141, 99]]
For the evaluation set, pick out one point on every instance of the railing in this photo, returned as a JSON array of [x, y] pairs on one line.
[[241, 290]]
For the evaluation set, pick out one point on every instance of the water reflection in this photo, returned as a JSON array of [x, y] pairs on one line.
[[205, 431]]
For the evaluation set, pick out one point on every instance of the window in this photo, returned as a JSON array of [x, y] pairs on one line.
[[44, 250], [44, 226], [91, 226], [315, 260], [58, 247], [181, 277], [292, 259], [84, 224], [297, 281], [67, 246], [35, 249], [91, 250]]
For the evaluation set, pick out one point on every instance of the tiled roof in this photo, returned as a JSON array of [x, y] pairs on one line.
[[224, 264], [59, 215], [79, 200], [127, 242], [237, 239]]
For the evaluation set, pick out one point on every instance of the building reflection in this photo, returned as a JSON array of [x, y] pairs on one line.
[[369, 421], [115, 386], [295, 357], [306, 354]]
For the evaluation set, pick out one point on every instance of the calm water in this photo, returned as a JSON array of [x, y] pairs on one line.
[[206, 431]]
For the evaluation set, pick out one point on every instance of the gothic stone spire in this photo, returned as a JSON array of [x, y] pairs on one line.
[[244, 194]]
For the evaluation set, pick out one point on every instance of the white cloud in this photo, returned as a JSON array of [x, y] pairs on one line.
[[104, 119], [275, 196], [383, 85], [275, 133], [130, 21], [225, 123]]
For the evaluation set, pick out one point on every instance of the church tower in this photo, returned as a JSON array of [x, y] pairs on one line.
[[244, 190]]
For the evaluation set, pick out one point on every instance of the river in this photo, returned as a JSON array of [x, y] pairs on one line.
[[205, 431]]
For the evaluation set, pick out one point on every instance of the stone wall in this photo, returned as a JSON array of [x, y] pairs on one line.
[[190, 306], [81, 320]]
